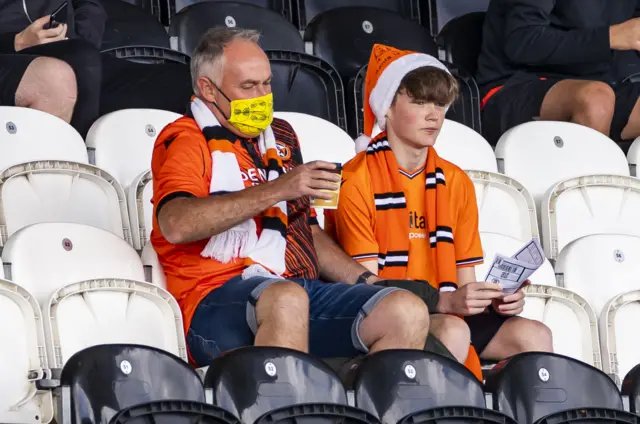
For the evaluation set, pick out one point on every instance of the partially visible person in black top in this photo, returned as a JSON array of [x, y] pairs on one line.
[[104, 83], [561, 60]]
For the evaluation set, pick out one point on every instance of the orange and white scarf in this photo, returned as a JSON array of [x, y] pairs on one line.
[[264, 254]]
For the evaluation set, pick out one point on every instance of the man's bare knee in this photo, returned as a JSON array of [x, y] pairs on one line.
[[283, 300], [48, 85], [532, 336], [595, 104], [399, 320], [454, 333]]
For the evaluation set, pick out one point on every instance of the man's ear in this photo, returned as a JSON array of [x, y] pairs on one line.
[[207, 90]]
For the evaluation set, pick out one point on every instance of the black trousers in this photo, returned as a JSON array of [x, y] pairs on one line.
[[105, 84]]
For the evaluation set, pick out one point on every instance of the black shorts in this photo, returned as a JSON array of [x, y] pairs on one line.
[[12, 69], [484, 328], [520, 101]]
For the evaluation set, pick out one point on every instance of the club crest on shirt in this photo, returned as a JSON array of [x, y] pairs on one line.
[[283, 151]]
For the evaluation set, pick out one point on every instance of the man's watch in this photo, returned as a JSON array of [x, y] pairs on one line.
[[364, 277]]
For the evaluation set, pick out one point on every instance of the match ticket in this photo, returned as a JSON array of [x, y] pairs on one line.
[[512, 272]]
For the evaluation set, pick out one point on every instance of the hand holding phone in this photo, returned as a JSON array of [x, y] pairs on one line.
[[55, 20]]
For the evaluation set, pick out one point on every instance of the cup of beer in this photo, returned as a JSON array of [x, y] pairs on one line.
[[335, 194]]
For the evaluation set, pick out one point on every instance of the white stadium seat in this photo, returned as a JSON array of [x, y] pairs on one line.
[[571, 320], [152, 269], [591, 230], [462, 146], [466, 148], [320, 140], [22, 349], [30, 135], [122, 141], [56, 191], [619, 334], [139, 197], [90, 286], [542, 153]]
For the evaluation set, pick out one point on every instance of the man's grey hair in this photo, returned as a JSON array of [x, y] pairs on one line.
[[207, 58]]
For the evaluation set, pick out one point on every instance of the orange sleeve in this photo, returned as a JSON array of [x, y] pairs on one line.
[[467, 236], [178, 167], [353, 221]]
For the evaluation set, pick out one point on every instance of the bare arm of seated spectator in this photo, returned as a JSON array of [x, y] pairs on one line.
[[531, 40], [335, 264], [188, 219]]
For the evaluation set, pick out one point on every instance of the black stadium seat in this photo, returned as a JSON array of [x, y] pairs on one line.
[[128, 25], [631, 388], [192, 22], [413, 386], [306, 84], [308, 9], [539, 388], [174, 412], [438, 13], [276, 385], [465, 110], [283, 7], [461, 40], [344, 37], [99, 381]]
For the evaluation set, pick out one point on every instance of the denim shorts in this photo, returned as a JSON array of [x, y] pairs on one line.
[[226, 318]]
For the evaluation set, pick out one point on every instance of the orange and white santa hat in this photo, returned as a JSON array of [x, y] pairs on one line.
[[387, 67]]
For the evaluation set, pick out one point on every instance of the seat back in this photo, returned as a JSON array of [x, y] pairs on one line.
[[465, 148], [67, 253], [129, 25], [181, 412], [192, 22], [633, 156], [251, 381], [570, 318], [29, 135], [438, 13], [596, 204], [283, 7], [306, 84], [111, 310], [563, 150], [461, 40], [465, 110], [309, 9], [23, 358], [392, 384], [530, 386], [101, 380], [599, 267], [619, 343], [505, 207], [364, 27], [130, 134], [493, 244], [320, 140], [631, 388], [139, 196], [38, 192]]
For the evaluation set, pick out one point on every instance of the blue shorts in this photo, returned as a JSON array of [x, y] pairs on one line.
[[226, 318]]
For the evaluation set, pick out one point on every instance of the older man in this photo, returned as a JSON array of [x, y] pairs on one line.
[[233, 229]]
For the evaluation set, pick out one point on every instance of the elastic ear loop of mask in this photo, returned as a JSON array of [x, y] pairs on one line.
[[225, 96]]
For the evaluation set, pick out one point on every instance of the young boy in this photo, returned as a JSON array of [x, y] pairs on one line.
[[407, 214]]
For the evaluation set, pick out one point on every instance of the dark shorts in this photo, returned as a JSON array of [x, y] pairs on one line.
[[226, 318], [520, 101], [484, 328], [12, 69]]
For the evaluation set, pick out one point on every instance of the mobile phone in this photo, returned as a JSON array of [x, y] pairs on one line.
[[54, 22]]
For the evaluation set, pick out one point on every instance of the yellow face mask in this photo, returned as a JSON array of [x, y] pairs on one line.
[[249, 116], [252, 116]]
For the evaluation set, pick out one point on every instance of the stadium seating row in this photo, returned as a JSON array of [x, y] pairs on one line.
[[589, 232]]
